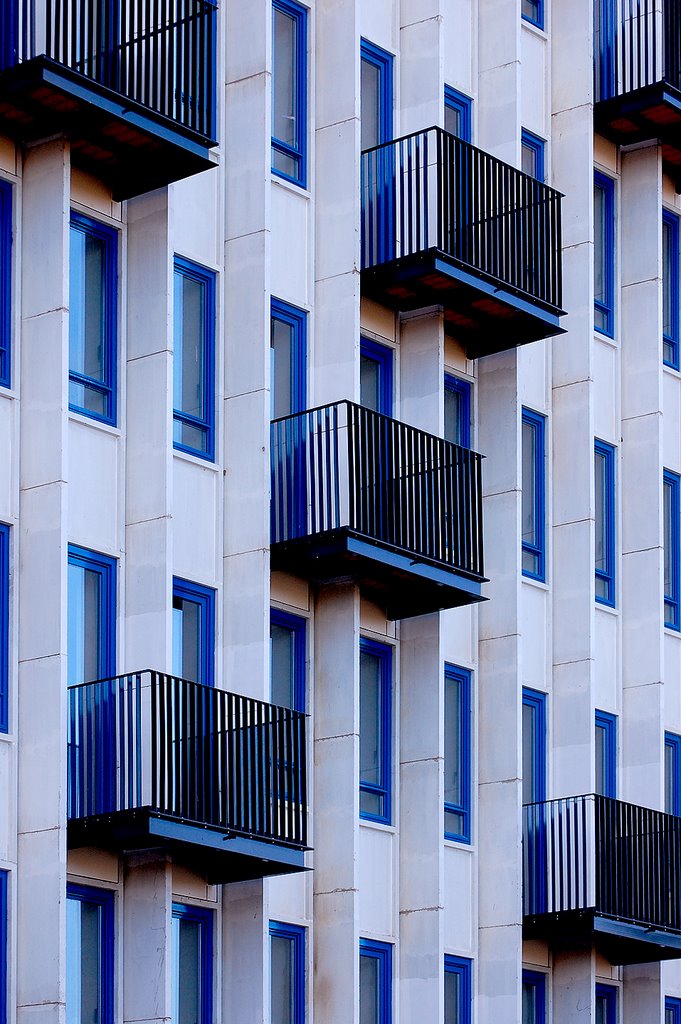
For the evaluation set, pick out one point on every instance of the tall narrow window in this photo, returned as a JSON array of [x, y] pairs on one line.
[[670, 289], [375, 728], [192, 965], [5, 283], [193, 631], [4, 916], [375, 982], [289, 90], [533, 495], [376, 95], [672, 1010], [604, 469], [457, 410], [287, 359], [93, 316], [672, 774], [376, 377], [91, 616], [4, 627], [457, 753], [458, 110], [287, 973], [606, 1005], [534, 746], [287, 660], [534, 997], [194, 359], [606, 754], [533, 11], [604, 254], [672, 549], [532, 155], [458, 990], [89, 955]]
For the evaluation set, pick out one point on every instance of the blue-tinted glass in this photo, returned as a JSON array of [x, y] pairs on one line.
[[91, 616], [376, 96], [193, 358], [670, 289], [534, 746], [457, 410], [672, 549], [370, 740], [287, 973], [604, 255], [193, 632], [4, 630], [192, 956], [604, 470], [5, 282], [457, 990], [89, 956], [289, 89]]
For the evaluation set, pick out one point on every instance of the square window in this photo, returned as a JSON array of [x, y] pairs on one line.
[[375, 730], [193, 632], [288, 345], [604, 254], [672, 1010], [5, 283], [457, 411], [458, 999], [192, 966], [289, 90], [606, 754], [287, 660], [194, 359], [458, 110], [457, 754], [91, 616], [89, 955], [533, 495], [604, 521], [287, 973], [375, 982]]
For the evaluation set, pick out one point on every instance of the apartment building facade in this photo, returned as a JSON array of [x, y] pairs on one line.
[[282, 340]]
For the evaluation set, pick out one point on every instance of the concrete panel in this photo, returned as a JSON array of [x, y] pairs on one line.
[[291, 213], [460, 917], [196, 509], [377, 880], [94, 487]]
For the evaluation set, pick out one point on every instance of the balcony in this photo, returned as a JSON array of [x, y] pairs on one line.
[[637, 74], [357, 495], [600, 872], [130, 82], [216, 779], [444, 223]]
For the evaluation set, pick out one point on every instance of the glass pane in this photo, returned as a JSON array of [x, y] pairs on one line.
[[528, 160], [286, 164], [282, 998], [369, 997], [281, 368], [453, 120], [601, 1016], [669, 778], [667, 506], [83, 969], [529, 1004], [453, 413], [600, 513], [529, 484], [370, 719], [187, 639], [186, 1005], [190, 436], [668, 262], [455, 823], [452, 997], [601, 753], [284, 126], [87, 315], [453, 742], [189, 354], [371, 105], [85, 661], [529, 754], [281, 652], [530, 10], [599, 248], [370, 383]]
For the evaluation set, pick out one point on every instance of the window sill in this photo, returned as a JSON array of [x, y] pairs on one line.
[[89, 421], [542, 33], [459, 844], [672, 631], [290, 186], [607, 608], [195, 460], [378, 826], [537, 584]]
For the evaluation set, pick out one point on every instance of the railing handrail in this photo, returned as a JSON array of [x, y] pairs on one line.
[[599, 796]]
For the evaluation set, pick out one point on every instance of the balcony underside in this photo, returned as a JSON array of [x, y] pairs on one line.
[[397, 580], [620, 942], [127, 145], [653, 112], [217, 854]]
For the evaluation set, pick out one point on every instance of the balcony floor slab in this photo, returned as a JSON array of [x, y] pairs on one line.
[[620, 942]]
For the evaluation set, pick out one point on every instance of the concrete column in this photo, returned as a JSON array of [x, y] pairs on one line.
[[574, 980], [245, 943], [147, 949], [41, 714], [499, 28], [421, 65]]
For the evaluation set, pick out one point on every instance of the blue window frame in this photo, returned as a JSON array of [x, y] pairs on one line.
[[193, 631], [4, 627], [288, 359], [458, 111], [534, 746], [376, 377], [457, 753], [672, 549], [93, 318], [534, 998], [458, 990], [376, 95], [672, 774], [89, 955], [606, 754], [375, 730], [606, 1005], [4, 916], [194, 359], [289, 91], [604, 470], [457, 410], [670, 289], [533, 495], [375, 982], [604, 254], [5, 283], [192, 971], [533, 11], [91, 616], [532, 155], [287, 660], [287, 973], [672, 1010]]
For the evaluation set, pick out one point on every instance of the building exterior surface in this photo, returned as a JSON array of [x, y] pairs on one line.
[[276, 743]]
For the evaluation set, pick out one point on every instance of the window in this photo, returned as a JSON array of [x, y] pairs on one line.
[[672, 774], [457, 411], [91, 616], [533, 11], [534, 746], [287, 660], [606, 754], [289, 90], [375, 729], [194, 359], [457, 753], [534, 998], [375, 982], [287, 973], [376, 95], [457, 990], [192, 969], [532, 155], [89, 955], [604, 254], [376, 377], [672, 549], [4, 914], [193, 631], [670, 289], [672, 1010], [4, 628], [458, 114], [533, 496], [93, 316], [287, 359], [5, 283], [604, 468], [606, 1005]]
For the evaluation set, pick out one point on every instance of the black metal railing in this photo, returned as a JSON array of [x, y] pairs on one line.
[[431, 190], [595, 853], [190, 752], [344, 466], [158, 53], [637, 43]]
